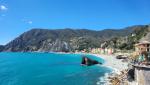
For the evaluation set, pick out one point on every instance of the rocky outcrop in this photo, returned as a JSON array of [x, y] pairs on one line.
[[89, 62]]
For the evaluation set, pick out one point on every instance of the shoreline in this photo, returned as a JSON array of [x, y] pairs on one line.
[[116, 65], [112, 62]]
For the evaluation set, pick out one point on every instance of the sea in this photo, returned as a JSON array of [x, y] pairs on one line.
[[18, 68]]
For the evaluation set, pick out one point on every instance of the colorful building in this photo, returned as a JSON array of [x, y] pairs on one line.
[[102, 50], [143, 46]]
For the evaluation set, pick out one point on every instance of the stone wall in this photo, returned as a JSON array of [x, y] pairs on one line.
[[142, 75]]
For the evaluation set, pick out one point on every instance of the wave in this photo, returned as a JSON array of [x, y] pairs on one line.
[[105, 79]]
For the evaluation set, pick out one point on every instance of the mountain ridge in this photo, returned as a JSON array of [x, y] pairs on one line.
[[65, 40]]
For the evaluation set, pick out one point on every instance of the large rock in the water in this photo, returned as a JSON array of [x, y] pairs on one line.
[[87, 61]]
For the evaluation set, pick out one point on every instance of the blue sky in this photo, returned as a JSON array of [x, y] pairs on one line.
[[18, 16]]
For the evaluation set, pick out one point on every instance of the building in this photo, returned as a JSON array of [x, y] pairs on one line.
[[102, 50], [143, 46], [142, 70], [142, 74]]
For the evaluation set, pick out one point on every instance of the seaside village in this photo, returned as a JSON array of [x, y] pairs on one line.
[[138, 69], [100, 51]]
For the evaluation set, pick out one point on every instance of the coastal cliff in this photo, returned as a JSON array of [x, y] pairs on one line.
[[69, 40]]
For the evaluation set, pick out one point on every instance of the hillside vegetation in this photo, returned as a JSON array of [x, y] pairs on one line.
[[67, 40]]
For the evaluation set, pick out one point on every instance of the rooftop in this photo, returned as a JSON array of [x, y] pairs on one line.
[[142, 42]]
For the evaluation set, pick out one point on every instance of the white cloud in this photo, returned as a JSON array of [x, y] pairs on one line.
[[27, 21], [3, 8], [30, 22]]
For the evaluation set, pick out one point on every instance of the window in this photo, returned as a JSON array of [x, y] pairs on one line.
[[147, 49], [147, 45]]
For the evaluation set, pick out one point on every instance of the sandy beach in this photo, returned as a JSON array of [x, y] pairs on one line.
[[115, 64], [112, 62]]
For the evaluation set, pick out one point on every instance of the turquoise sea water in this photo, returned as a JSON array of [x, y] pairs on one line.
[[48, 69]]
